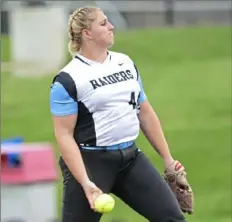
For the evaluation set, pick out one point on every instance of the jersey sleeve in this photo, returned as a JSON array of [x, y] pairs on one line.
[[142, 95], [62, 101]]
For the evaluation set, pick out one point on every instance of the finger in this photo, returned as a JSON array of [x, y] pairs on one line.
[[91, 202], [92, 206], [93, 198]]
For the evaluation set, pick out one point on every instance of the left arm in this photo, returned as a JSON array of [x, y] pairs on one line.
[[151, 128]]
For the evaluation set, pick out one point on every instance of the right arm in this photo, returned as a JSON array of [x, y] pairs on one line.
[[64, 115], [64, 109]]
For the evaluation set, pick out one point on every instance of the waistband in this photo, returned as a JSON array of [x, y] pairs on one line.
[[119, 146]]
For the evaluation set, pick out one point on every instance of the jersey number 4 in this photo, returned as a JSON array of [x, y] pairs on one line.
[[132, 101]]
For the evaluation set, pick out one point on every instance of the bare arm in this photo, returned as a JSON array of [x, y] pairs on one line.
[[151, 127], [64, 109], [64, 127]]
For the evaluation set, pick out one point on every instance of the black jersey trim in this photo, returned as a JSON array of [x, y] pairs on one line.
[[85, 132], [68, 83], [77, 57], [137, 71]]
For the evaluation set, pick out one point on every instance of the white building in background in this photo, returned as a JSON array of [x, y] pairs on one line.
[[38, 40]]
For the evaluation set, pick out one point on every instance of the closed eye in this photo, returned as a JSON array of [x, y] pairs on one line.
[[104, 22]]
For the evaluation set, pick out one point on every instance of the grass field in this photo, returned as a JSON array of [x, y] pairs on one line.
[[186, 74]]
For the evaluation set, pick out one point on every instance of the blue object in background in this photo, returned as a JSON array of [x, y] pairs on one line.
[[13, 159], [14, 140]]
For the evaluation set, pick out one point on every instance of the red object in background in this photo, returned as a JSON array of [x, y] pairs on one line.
[[3, 160], [37, 163]]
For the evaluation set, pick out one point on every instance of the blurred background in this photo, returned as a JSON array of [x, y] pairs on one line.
[[183, 52]]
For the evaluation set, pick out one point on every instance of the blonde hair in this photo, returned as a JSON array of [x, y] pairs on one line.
[[80, 19]]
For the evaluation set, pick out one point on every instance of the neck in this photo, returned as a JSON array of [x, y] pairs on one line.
[[95, 53]]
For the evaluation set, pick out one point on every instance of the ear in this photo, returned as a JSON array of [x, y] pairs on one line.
[[86, 33]]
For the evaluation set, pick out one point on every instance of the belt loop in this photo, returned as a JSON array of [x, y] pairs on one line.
[[104, 148]]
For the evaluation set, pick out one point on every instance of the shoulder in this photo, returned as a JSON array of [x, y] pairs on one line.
[[121, 57], [73, 68], [63, 81], [68, 71]]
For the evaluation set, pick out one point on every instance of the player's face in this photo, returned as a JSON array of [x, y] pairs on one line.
[[102, 30]]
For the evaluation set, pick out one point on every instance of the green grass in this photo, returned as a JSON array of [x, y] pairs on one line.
[[5, 49], [186, 73]]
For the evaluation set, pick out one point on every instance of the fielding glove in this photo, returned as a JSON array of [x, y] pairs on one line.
[[175, 176]]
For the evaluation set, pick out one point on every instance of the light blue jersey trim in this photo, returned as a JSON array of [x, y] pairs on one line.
[[61, 103], [120, 146], [142, 95]]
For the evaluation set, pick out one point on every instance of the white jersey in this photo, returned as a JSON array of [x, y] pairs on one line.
[[107, 99]]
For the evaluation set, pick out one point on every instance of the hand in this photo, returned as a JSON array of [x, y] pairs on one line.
[[178, 169], [175, 176], [91, 192]]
